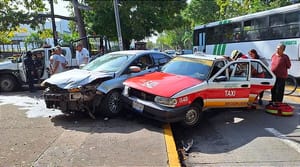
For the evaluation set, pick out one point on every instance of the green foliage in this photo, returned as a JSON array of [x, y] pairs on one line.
[[205, 11], [33, 39], [6, 36], [201, 11], [138, 19], [25, 10], [16, 12], [233, 8], [178, 38], [66, 39], [150, 45]]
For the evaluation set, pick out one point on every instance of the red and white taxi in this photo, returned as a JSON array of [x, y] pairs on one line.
[[189, 84]]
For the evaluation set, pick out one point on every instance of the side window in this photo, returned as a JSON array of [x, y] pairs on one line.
[[276, 25], [160, 59], [216, 67], [144, 62], [232, 32], [256, 29], [292, 24], [238, 71], [259, 71]]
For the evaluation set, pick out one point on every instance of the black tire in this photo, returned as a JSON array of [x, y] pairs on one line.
[[112, 105], [193, 115], [8, 83], [290, 85]]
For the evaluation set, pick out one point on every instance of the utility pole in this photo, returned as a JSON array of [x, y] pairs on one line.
[[118, 24], [53, 23]]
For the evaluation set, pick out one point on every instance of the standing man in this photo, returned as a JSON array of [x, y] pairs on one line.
[[58, 61], [30, 68], [280, 63], [82, 55]]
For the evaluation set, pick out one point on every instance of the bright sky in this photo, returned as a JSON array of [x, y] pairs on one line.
[[60, 8]]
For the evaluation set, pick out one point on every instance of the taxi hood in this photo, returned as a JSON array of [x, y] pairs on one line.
[[76, 77], [162, 84]]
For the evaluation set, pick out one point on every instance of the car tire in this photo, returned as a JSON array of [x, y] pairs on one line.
[[8, 83], [193, 115], [112, 104]]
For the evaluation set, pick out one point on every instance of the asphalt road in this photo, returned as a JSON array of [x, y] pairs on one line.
[[32, 135], [239, 137]]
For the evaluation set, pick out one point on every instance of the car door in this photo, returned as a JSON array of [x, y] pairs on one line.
[[230, 86], [261, 79], [22, 68], [145, 62], [148, 63]]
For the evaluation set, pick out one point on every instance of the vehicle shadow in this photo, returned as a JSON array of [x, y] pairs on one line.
[[125, 123], [224, 130]]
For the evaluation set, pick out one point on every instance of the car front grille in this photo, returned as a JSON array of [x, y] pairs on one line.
[[141, 95]]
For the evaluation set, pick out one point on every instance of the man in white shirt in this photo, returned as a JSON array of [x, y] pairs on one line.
[[58, 62], [82, 55]]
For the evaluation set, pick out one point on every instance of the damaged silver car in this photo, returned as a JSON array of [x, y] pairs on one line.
[[97, 86]]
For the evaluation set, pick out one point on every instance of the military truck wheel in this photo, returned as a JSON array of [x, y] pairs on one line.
[[8, 83], [112, 104]]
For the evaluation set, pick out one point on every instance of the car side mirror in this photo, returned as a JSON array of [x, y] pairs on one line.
[[220, 78], [134, 69]]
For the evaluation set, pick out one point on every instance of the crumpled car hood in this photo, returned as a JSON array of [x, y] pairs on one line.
[[76, 77]]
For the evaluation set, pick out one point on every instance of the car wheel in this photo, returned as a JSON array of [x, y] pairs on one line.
[[192, 115], [112, 104], [7, 83]]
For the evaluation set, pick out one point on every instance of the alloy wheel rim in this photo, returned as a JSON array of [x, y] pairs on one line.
[[114, 103]]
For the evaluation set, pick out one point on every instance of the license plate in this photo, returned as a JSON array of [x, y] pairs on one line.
[[137, 106]]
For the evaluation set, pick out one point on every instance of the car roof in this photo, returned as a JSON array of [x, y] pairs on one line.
[[136, 52], [198, 55]]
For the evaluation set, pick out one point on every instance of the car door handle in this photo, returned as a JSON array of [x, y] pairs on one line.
[[244, 86], [265, 83]]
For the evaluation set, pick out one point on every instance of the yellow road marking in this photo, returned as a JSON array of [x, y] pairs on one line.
[[171, 147]]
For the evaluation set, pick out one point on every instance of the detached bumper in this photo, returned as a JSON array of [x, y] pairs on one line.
[[154, 111]]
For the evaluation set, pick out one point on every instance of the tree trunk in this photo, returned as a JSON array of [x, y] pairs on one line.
[[126, 44]]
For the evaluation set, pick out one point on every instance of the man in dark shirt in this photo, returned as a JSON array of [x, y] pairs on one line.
[[29, 66], [280, 63]]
